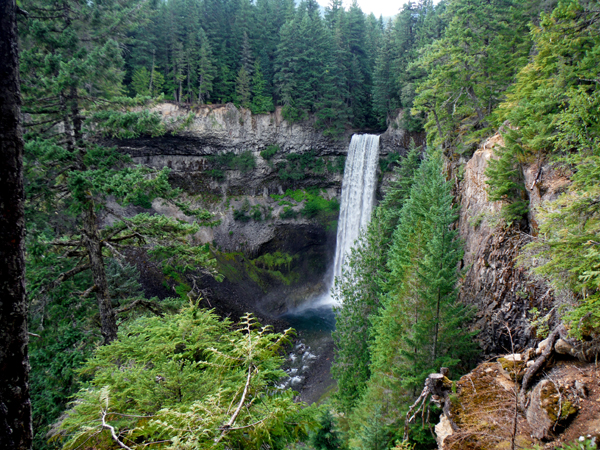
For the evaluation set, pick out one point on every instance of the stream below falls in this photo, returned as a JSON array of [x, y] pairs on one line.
[[308, 364]]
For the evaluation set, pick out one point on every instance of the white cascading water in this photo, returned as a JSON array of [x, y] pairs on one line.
[[358, 195], [316, 319]]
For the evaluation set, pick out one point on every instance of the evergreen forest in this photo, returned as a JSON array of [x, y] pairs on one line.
[[114, 367]]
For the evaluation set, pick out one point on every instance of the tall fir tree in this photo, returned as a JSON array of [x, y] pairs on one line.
[[359, 290]]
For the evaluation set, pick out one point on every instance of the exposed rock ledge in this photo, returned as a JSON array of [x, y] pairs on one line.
[[491, 412], [501, 291]]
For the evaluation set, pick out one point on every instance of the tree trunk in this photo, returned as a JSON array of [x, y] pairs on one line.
[[15, 405], [93, 245]]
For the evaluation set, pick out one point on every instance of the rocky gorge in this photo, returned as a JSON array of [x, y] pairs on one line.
[[258, 173]]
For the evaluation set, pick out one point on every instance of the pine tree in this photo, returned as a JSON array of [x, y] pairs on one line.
[[468, 72], [420, 314], [68, 174], [242, 88], [359, 290], [261, 103], [383, 99], [141, 81], [206, 70], [553, 112]]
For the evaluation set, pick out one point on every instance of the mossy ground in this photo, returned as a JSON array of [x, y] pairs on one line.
[[484, 411]]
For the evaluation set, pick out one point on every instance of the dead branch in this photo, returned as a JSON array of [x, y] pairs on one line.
[[541, 360], [64, 276], [88, 291], [434, 387], [227, 427], [112, 432]]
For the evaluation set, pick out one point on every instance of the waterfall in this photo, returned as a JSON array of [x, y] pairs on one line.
[[358, 195]]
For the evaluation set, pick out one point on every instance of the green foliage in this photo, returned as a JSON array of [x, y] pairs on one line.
[[326, 437], [275, 260], [567, 250], [244, 162], [549, 108], [146, 83], [240, 215], [397, 325], [505, 180], [261, 103], [359, 290], [315, 205], [288, 213], [67, 333], [580, 444], [269, 152], [191, 381], [299, 165], [247, 212], [256, 213], [420, 313], [469, 70], [372, 434], [389, 160], [243, 88], [336, 165]]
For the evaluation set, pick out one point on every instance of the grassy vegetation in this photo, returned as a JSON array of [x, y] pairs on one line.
[[265, 270], [300, 165], [386, 163], [315, 205], [244, 162], [269, 152]]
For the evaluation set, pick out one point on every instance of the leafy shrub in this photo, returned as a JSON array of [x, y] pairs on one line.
[[292, 114], [288, 213], [217, 174], [316, 204], [142, 199], [386, 163], [240, 215], [256, 213], [244, 162], [269, 152], [337, 164], [174, 378], [298, 165]]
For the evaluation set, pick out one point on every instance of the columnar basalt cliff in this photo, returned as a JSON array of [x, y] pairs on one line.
[[236, 164], [291, 157], [501, 289]]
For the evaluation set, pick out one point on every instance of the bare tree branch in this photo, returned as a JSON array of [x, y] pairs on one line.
[[65, 276], [112, 432]]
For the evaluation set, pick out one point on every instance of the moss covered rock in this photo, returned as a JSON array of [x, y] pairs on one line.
[[549, 408]]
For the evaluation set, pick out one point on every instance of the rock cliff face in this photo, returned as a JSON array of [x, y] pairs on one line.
[[218, 158], [502, 290], [490, 411]]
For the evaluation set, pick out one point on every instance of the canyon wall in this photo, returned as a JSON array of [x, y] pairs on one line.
[[495, 283], [255, 227], [500, 290]]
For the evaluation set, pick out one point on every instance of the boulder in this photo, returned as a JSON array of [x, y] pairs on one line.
[[548, 407], [562, 347]]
